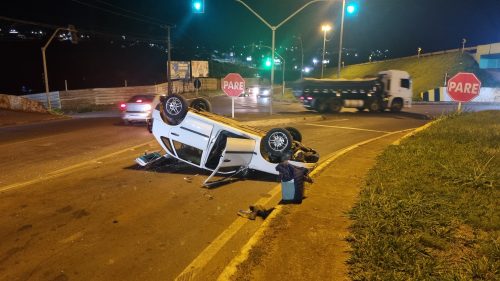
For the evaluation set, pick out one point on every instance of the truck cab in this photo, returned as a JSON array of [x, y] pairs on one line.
[[397, 88]]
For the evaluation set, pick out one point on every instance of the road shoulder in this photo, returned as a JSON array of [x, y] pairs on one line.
[[308, 241]]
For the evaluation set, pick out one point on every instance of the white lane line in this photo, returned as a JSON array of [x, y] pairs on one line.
[[60, 172], [348, 128], [220, 241]]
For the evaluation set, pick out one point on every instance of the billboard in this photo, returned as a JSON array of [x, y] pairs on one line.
[[199, 68], [180, 70]]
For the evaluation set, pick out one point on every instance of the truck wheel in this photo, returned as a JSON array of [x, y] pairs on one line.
[[321, 106], [397, 105], [175, 108], [278, 142], [335, 105], [296, 135], [374, 106], [201, 104]]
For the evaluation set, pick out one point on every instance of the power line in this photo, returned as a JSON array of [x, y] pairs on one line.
[[119, 14]]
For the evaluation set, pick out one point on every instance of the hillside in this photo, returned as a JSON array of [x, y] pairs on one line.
[[427, 72]]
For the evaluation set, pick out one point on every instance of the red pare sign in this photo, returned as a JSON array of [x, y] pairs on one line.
[[233, 85], [464, 87]]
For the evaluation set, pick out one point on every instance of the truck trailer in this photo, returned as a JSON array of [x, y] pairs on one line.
[[391, 89]]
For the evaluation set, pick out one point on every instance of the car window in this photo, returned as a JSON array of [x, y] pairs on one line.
[[188, 153], [405, 83], [141, 98]]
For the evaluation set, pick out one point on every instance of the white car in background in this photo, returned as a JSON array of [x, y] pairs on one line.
[[138, 108], [222, 145]]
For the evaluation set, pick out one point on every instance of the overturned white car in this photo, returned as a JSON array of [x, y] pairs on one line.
[[209, 141]]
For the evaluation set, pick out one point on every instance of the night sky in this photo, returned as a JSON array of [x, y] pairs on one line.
[[398, 25]]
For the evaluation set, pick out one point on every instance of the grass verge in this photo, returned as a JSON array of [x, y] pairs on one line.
[[430, 209]]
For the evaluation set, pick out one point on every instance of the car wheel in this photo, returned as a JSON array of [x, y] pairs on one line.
[[296, 135], [335, 105], [278, 142], [321, 106], [175, 108], [374, 105], [397, 105], [201, 104]]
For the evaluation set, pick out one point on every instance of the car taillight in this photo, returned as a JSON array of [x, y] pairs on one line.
[[123, 106], [309, 98], [301, 98]]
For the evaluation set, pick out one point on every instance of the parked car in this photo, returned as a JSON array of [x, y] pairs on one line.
[[222, 145], [138, 108]]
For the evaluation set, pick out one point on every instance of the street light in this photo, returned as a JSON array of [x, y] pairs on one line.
[[273, 29], [74, 40], [325, 28]]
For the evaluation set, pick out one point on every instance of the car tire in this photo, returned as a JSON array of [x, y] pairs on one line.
[[321, 106], [296, 135], [201, 104], [397, 105], [335, 105], [278, 143], [374, 105], [175, 108]]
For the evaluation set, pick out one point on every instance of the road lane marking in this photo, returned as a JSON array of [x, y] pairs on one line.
[[348, 128], [60, 172], [220, 241]]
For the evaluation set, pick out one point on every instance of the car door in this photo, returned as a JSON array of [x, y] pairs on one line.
[[190, 139]]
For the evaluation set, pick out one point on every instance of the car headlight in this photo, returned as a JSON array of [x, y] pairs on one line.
[[255, 90], [265, 92]]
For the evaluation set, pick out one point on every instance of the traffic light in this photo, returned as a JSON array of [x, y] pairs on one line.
[[267, 62], [198, 6]]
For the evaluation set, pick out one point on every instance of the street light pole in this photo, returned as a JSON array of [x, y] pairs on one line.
[[273, 29], [325, 28], [341, 35], [44, 58]]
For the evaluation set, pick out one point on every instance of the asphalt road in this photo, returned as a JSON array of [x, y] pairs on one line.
[[76, 207]]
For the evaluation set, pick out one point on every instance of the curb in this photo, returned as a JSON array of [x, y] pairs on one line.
[[232, 267]]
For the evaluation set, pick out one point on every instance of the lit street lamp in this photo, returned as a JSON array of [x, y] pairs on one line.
[[273, 29], [324, 28]]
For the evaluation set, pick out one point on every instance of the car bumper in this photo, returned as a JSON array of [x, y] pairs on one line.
[[136, 116]]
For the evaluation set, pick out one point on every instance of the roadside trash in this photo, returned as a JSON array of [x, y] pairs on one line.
[[188, 179]]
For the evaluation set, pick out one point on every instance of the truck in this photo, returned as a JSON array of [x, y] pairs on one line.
[[390, 89]]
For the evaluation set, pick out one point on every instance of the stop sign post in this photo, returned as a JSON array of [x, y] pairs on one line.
[[463, 87], [233, 85]]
